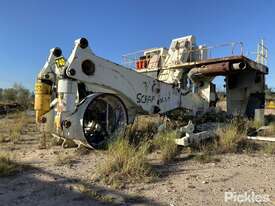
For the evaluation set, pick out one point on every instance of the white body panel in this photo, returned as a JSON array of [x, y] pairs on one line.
[[139, 89]]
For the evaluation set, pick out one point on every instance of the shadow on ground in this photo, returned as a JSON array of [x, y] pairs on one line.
[[35, 186]]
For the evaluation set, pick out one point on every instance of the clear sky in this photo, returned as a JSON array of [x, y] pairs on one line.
[[29, 28]]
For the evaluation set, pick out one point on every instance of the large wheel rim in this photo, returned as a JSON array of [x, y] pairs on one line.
[[103, 118]]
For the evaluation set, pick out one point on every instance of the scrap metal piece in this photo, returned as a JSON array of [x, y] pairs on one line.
[[193, 138], [254, 132], [270, 139]]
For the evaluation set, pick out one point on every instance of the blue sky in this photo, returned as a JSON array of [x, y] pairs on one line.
[[28, 29]]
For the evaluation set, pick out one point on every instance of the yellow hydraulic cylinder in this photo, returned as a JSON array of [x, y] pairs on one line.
[[42, 99], [270, 104]]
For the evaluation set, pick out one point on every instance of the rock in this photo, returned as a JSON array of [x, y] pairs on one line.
[[262, 190], [141, 188], [191, 186], [204, 182]]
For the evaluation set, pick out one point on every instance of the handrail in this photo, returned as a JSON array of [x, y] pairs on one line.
[[130, 59]]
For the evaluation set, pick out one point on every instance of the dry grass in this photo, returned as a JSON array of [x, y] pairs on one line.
[[206, 158], [205, 152], [270, 131], [15, 133], [82, 150], [88, 192], [46, 141], [16, 126], [144, 128], [269, 148], [255, 124], [63, 159], [272, 128], [125, 163], [210, 147], [3, 138], [230, 136], [54, 141], [126, 159], [233, 138], [7, 166], [165, 142]]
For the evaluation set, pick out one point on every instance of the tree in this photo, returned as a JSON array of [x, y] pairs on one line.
[[9, 95], [1, 94], [18, 94], [23, 95]]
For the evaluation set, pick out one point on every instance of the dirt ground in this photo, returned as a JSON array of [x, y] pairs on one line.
[[185, 181]]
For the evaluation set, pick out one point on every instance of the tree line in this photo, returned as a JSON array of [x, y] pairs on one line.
[[17, 94]]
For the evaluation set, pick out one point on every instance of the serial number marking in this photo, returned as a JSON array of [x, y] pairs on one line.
[[147, 99]]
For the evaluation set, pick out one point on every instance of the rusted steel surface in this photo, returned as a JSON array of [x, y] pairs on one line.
[[212, 69], [231, 59]]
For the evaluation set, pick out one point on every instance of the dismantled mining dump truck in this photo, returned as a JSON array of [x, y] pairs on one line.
[[88, 98]]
